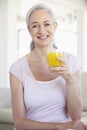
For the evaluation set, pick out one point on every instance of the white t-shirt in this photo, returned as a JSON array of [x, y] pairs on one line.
[[44, 101]]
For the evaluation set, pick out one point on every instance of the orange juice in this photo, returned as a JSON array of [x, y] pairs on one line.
[[52, 59]]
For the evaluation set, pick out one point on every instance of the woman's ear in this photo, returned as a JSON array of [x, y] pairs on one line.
[[55, 26]]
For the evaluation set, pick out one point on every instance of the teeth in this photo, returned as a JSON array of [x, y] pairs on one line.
[[43, 37]]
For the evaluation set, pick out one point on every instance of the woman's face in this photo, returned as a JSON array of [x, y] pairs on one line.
[[42, 28]]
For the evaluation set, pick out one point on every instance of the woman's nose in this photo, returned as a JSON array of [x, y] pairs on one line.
[[41, 29]]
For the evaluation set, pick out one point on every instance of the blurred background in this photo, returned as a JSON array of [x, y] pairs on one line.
[[15, 40]]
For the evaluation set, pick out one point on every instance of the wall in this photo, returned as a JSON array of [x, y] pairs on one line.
[[3, 42], [12, 34], [8, 38], [85, 41]]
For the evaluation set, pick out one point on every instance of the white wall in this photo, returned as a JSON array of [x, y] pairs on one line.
[[85, 41], [3, 42], [12, 34], [80, 35], [8, 38]]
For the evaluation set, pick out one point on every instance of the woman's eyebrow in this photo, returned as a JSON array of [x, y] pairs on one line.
[[46, 21], [37, 22], [34, 23]]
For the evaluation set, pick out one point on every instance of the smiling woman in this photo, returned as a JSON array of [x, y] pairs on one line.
[[12, 26], [45, 97]]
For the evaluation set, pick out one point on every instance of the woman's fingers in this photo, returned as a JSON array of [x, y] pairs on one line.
[[80, 126], [83, 124], [62, 60], [62, 71]]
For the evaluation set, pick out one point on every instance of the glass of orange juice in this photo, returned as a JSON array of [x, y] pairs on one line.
[[52, 59]]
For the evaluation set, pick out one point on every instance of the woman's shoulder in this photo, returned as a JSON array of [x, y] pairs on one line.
[[73, 61], [18, 64], [19, 61], [17, 68], [70, 56]]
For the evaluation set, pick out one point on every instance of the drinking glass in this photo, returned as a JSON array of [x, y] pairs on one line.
[[52, 58]]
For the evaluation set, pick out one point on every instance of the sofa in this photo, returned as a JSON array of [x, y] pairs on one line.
[[6, 119], [84, 96]]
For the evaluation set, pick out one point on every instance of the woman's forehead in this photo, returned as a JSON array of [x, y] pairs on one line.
[[40, 11], [40, 15]]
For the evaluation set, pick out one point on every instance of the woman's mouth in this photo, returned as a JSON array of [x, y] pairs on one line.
[[43, 37]]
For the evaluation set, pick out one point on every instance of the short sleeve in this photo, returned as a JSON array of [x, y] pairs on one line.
[[15, 69], [73, 62]]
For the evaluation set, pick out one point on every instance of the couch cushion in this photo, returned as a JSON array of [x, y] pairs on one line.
[[5, 98], [84, 90], [84, 117], [84, 114], [6, 115]]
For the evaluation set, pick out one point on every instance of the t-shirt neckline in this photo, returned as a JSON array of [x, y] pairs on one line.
[[39, 81]]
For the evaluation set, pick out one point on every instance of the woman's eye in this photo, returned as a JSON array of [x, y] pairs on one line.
[[34, 26], [47, 24]]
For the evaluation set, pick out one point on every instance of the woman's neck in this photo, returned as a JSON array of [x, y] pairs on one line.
[[42, 52], [39, 55]]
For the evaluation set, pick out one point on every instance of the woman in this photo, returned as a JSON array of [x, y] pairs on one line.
[[45, 98]]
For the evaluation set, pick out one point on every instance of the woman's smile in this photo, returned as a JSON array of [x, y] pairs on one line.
[[43, 37]]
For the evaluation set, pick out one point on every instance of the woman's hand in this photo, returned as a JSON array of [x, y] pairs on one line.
[[63, 70], [79, 125]]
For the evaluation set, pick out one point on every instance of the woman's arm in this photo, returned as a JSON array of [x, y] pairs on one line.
[[74, 101], [73, 88]]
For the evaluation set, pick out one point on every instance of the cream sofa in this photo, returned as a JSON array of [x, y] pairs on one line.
[[6, 120]]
